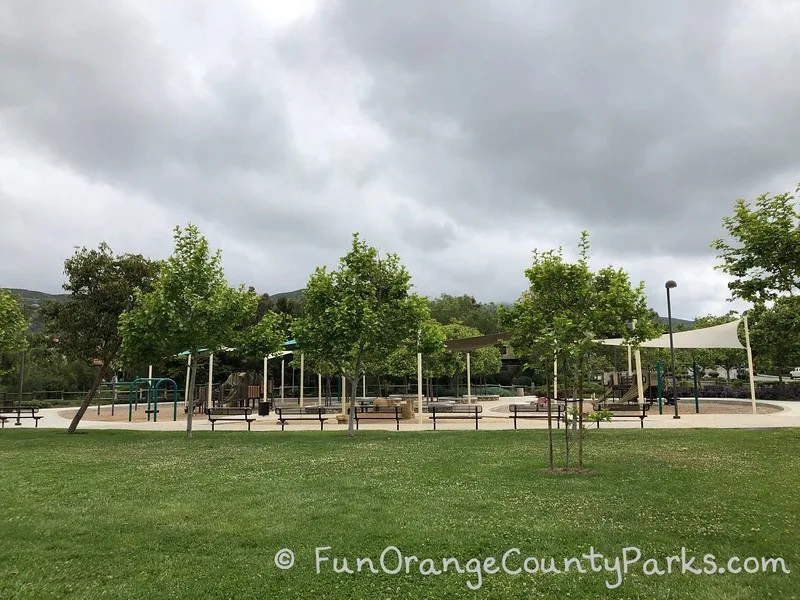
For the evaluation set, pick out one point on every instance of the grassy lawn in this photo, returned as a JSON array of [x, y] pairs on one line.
[[112, 514]]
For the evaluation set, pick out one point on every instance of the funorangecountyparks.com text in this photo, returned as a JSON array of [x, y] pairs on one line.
[[516, 562]]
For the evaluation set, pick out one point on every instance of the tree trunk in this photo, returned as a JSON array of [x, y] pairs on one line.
[[551, 458], [580, 412], [354, 390], [87, 400], [547, 380], [190, 399]]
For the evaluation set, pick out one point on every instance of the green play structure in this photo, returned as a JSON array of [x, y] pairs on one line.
[[153, 385]]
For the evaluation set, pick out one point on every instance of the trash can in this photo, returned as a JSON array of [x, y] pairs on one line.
[[520, 391], [263, 408]]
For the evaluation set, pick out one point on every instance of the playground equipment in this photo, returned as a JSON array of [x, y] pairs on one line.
[[695, 375], [153, 385]]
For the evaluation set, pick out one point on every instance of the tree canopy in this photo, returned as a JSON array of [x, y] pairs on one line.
[[190, 307], [102, 287], [763, 252], [568, 306], [466, 310], [13, 324], [775, 334], [359, 313]]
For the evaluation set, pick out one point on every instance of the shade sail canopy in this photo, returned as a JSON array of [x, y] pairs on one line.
[[717, 336], [473, 343]]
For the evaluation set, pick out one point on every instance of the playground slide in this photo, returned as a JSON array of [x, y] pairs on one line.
[[632, 393]]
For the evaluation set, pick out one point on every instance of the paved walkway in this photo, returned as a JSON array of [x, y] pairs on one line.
[[495, 416]]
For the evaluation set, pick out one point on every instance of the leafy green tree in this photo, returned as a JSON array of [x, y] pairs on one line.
[[466, 310], [566, 308], [487, 361], [775, 334], [358, 313], [763, 253], [101, 287], [294, 307], [190, 308], [428, 340], [264, 337], [13, 324]]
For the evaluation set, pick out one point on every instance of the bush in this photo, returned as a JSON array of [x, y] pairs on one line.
[[522, 380], [600, 415], [495, 391]]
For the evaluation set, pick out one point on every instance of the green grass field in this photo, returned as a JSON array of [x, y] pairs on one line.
[[110, 514]]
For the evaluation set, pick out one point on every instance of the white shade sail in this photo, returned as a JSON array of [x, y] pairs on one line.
[[717, 336]]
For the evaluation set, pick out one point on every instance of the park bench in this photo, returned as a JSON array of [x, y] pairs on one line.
[[534, 411], [379, 411], [230, 413], [306, 413], [25, 412], [454, 411], [632, 410]]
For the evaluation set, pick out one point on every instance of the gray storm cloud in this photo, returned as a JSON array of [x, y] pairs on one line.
[[459, 134]]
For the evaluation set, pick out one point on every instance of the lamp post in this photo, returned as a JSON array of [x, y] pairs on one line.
[[32, 307], [670, 285]]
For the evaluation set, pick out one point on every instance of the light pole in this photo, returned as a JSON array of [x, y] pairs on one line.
[[670, 285], [33, 307]]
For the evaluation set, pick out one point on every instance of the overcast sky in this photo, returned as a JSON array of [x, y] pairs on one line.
[[461, 134]]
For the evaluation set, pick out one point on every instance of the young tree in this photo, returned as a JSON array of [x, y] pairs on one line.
[[190, 308], [763, 256], [358, 313], [13, 324], [101, 286], [566, 308]]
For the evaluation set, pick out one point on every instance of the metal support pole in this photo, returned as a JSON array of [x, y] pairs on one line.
[[188, 373], [669, 285], [696, 396], [660, 398], [21, 381], [469, 382], [750, 365], [209, 400], [302, 376], [419, 384], [264, 382]]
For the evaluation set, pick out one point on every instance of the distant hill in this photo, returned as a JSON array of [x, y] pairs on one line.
[[30, 297], [676, 322], [295, 295]]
